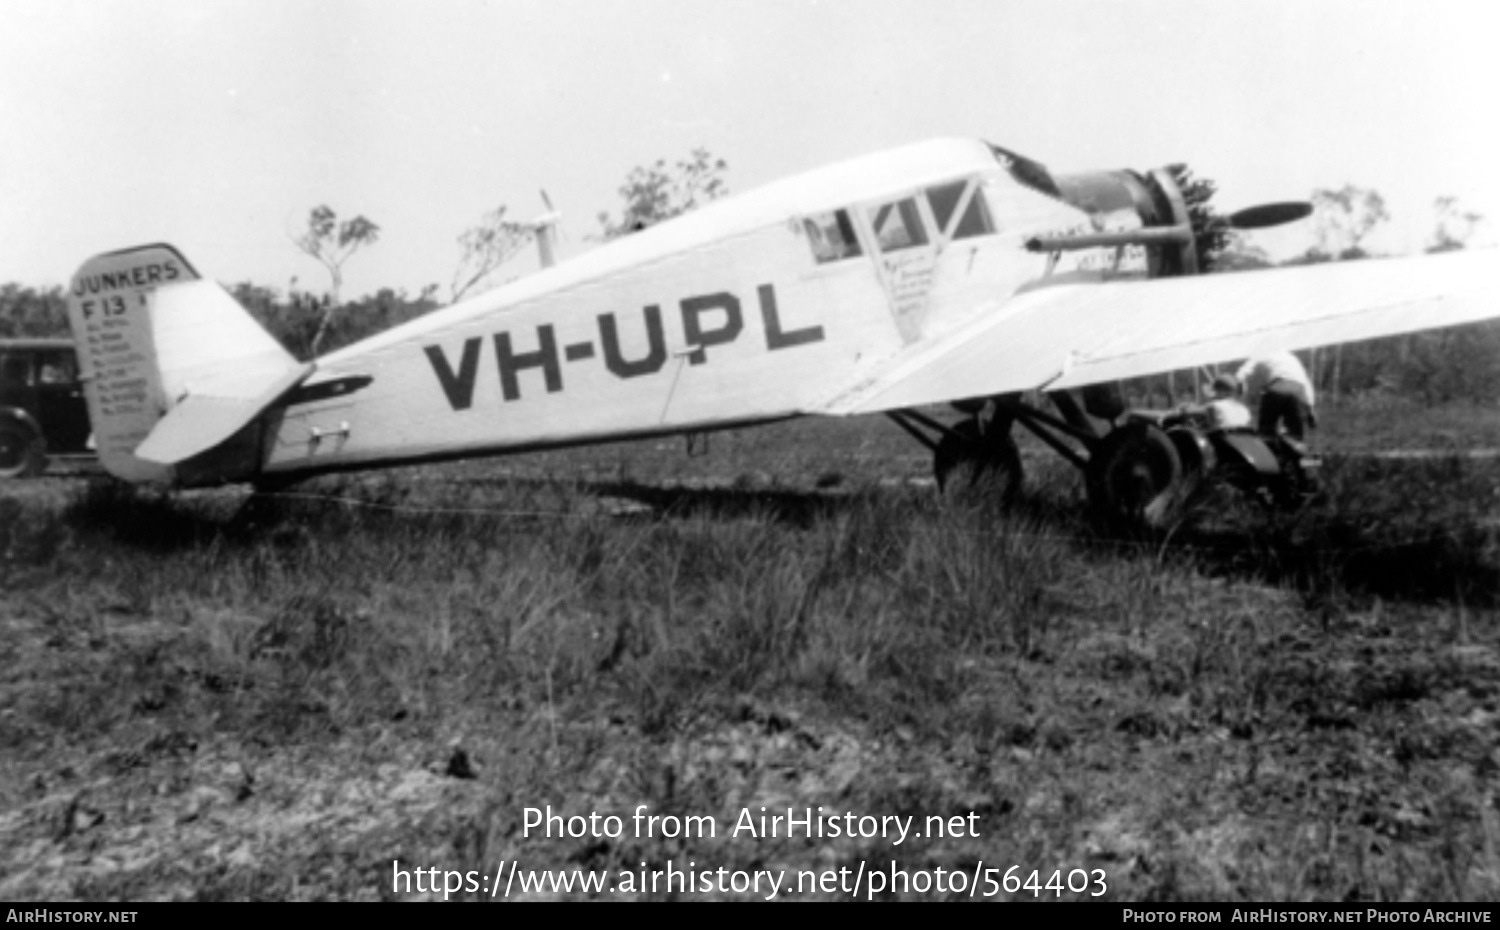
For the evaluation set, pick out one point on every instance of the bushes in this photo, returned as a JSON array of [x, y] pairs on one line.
[[26, 311], [294, 320]]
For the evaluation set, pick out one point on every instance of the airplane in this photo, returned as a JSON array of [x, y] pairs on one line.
[[951, 272]]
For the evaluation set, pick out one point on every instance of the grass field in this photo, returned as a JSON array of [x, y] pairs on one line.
[[204, 699]]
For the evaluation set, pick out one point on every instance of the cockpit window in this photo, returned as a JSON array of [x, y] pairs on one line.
[[832, 236], [898, 225], [976, 219], [945, 200]]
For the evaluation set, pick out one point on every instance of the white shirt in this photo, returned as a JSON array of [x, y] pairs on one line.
[[1277, 366], [1227, 413]]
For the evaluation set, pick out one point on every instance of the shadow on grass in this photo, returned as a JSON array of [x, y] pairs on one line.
[[791, 507], [1422, 531], [165, 521], [1341, 559], [146, 519], [1415, 530]]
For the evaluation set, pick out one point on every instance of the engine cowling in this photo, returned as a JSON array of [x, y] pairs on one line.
[[1155, 200]]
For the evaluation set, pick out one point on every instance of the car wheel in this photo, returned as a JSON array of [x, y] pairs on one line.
[[1135, 474], [20, 451]]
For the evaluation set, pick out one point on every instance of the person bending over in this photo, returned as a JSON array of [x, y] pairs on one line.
[[1224, 410], [1284, 394]]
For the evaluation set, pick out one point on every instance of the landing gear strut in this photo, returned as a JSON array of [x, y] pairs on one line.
[[979, 456], [1133, 469], [975, 456]]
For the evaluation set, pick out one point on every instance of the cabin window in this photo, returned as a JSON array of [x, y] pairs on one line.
[[831, 236], [976, 219], [898, 225], [944, 201], [947, 199]]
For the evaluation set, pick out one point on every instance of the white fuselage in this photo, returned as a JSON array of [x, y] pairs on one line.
[[740, 312]]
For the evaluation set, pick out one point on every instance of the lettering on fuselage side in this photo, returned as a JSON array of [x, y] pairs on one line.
[[707, 320], [618, 365], [775, 338], [700, 338], [511, 363], [459, 387]]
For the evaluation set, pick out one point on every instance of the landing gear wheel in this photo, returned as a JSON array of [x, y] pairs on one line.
[[974, 461], [1135, 474], [20, 451]]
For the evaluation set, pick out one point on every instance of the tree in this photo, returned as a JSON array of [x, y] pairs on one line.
[[1345, 218], [654, 193], [485, 248], [293, 319], [1454, 226], [26, 311], [331, 243], [1239, 254]]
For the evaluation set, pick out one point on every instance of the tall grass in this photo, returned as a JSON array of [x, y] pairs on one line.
[[1085, 689], [1423, 530], [367, 599], [361, 602]]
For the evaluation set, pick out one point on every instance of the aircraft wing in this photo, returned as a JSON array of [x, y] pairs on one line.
[[1077, 334]]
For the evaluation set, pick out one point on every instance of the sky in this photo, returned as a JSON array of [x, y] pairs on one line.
[[217, 125]]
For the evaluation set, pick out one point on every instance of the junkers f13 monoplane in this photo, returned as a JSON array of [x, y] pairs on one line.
[[950, 272]]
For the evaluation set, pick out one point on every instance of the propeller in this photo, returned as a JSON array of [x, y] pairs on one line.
[[1266, 215], [550, 218]]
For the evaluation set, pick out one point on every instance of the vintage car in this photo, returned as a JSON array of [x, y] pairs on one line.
[[1189, 456], [43, 414]]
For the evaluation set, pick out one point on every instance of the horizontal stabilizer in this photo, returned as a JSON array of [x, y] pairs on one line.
[[202, 420]]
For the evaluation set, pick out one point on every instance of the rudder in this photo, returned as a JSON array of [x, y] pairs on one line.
[[172, 365]]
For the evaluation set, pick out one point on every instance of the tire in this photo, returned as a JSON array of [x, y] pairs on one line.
[[1297, 485], [1135, 474], [21, 453], [1105, 401], [967, 462]]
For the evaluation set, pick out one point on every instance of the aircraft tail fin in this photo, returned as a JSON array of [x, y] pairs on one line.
[[173, 366]]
